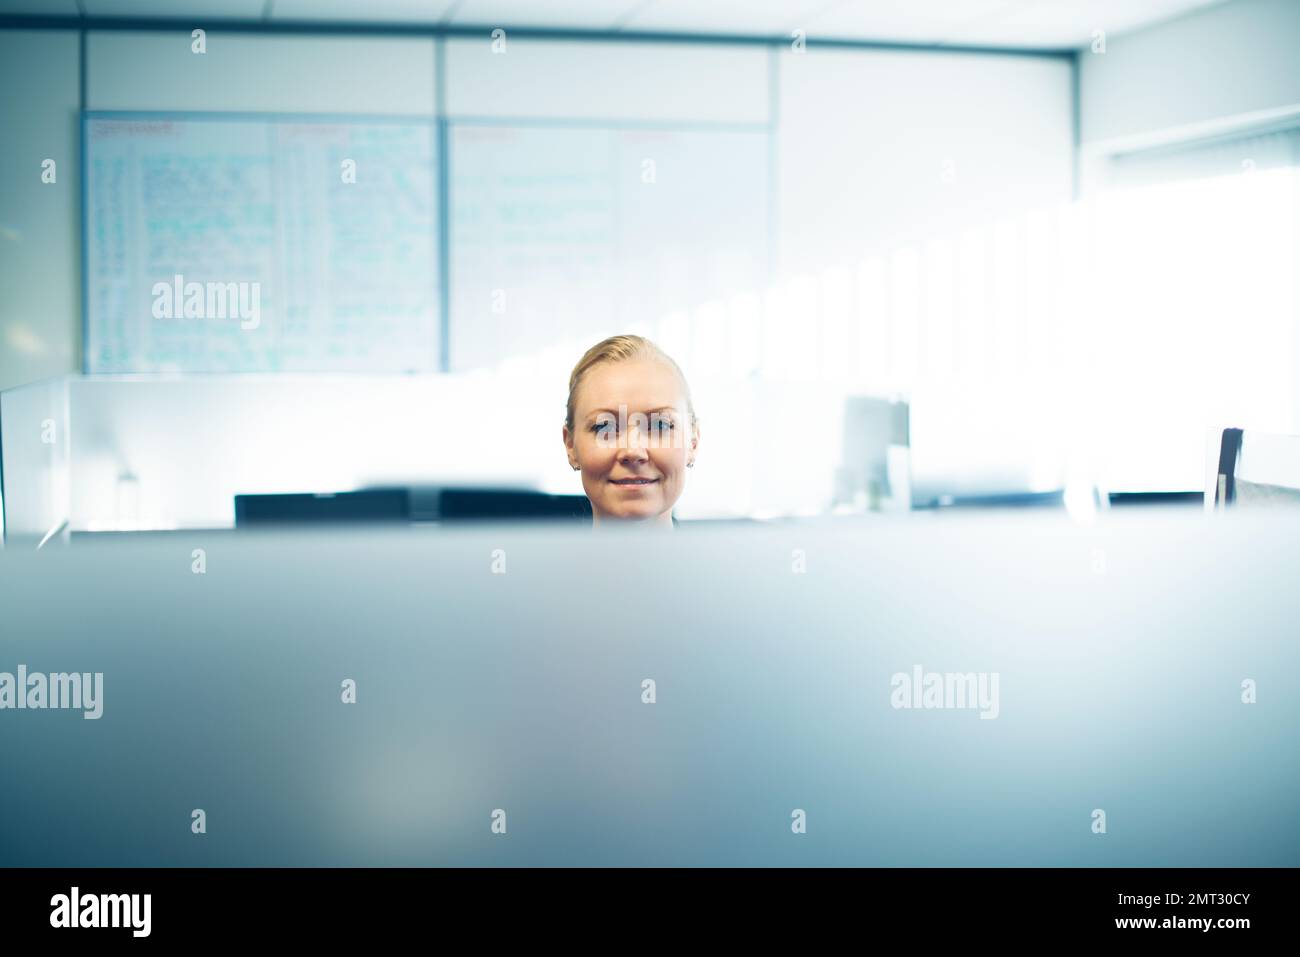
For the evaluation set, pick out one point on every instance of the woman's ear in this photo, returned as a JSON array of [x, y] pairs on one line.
[[568, 448]]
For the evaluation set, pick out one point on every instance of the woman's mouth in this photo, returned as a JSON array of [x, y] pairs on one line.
[[633, 483]]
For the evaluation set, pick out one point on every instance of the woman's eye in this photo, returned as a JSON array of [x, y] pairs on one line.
[[663, 425]]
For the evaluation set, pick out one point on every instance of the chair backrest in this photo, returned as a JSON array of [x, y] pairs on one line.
[[1257, 468]]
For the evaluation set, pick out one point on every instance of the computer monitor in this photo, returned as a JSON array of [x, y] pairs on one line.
[[323, 508]]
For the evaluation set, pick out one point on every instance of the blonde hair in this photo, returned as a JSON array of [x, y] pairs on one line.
[[620, 349]]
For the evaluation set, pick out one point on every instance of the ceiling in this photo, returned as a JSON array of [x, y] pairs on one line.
[[1006, 23]]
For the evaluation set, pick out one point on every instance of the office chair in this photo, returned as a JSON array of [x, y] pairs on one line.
[[1257, 468]]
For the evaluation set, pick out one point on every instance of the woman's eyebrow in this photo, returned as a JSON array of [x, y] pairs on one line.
[[662, 408]]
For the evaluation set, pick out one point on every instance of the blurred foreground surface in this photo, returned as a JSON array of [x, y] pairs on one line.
[[504, 669]]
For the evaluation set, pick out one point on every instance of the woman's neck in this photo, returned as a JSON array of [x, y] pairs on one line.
[[662, 520]]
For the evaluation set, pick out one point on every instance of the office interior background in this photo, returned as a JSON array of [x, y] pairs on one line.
[[1063, 234]]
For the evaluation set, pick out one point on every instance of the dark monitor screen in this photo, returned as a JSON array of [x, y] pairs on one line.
[[380, 505], [480, 504], [366, 505]]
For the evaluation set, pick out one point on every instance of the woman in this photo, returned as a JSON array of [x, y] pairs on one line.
[[630, 428]]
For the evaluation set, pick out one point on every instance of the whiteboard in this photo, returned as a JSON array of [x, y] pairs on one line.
[[319, 236], [581, 232]]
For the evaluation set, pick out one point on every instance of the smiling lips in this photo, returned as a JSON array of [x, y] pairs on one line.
[[633, 482]]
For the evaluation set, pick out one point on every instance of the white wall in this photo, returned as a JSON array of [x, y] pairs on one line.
[[637, 82], [905, 183], [879, 149], [40, 235], [1221, 63], [265, 74]]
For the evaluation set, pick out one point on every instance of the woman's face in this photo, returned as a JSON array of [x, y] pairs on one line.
[[630, 422]]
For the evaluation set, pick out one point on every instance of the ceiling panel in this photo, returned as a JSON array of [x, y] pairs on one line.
[[424, 12], [912, 21], [747, 17], [47, 8], [1013, 23], [573, 14], [177, 9], [1045, 23], [1070, 23]]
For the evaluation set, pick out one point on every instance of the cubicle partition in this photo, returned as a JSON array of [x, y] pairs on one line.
[[972, 690], [157, 452], [35, 473]]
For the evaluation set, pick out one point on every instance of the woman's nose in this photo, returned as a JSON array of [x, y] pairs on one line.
[[635, 450]]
